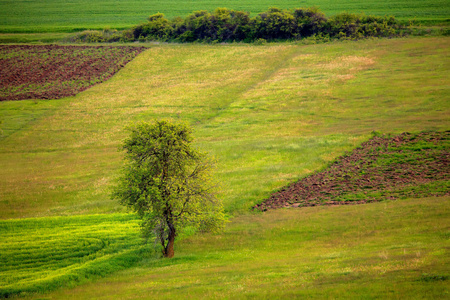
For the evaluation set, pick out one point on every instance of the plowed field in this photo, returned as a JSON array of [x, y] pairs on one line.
[[408, 165], [53, 71]]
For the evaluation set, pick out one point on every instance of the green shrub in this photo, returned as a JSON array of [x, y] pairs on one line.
[[231, 25], [225, 25], [157, 28], [309, 21], [105, 36], [346, 25], [275, 24], [260, 41]]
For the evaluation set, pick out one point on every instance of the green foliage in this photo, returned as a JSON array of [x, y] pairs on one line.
[[347, 25], [167, 182], [275, 24], [224, 25], [220, 26], [310, 21], [101, 36], [157, 28]]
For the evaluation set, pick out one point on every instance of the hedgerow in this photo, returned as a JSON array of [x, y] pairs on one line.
[[226, 25]]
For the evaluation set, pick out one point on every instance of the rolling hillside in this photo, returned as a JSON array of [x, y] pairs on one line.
[[270, 115]]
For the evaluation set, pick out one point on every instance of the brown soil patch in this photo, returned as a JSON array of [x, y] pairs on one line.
[[53, 71], [408, 165]]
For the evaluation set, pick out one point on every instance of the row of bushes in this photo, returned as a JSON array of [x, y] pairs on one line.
[[225, 25], [104, 36]]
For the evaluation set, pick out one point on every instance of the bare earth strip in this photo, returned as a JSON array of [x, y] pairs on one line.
[[53, 71], [408, 165]]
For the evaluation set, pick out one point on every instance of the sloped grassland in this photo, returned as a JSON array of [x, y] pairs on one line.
[[270, 115]]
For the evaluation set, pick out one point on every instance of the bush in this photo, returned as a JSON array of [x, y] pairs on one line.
[[225, 25], [275, 24], [231, 25], [346, 25], [309, 21], [157, 28], [105, 36]]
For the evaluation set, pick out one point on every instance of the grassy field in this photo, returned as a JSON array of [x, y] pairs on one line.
[[59, 16], [32, 38], [391, 250], [270, 115], [45, 253]]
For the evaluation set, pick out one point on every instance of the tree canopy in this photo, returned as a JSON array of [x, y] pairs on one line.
[[167, 182]]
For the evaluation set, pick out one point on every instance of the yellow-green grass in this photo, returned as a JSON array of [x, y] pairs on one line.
[[45, 253], [269, 114], [387, 250], [60, 16]]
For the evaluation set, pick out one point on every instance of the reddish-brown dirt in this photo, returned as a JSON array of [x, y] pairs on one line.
[[408, 165], [53, 71]]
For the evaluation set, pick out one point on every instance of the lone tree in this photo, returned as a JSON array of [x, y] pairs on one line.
[[167, 183]]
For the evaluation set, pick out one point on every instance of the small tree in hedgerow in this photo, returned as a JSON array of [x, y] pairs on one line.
[[167, 183]]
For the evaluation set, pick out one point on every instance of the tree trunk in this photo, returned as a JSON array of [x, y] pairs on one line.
[[168, 250]]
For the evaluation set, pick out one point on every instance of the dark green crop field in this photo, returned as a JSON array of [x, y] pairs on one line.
[[62, 16], [41, 254]]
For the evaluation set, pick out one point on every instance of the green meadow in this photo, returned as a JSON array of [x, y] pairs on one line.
[[390, 250], [269, 114], [61, 16]]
